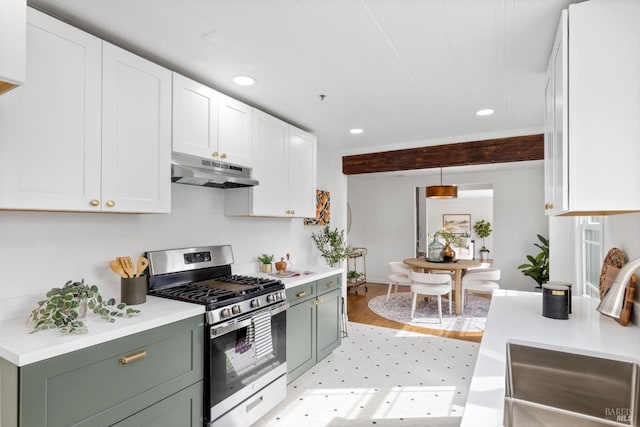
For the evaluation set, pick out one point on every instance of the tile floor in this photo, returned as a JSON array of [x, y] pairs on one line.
[[384, 377]]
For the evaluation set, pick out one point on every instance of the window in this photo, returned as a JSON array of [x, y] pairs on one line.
[[591, 236]]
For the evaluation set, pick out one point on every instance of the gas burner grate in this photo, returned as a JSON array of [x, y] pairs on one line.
[[194, 293], [247, 280]]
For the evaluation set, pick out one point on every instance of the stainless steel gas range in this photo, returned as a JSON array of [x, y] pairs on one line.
[[245, 335]]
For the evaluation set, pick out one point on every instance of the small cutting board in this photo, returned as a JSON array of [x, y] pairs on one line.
[[609, 274]]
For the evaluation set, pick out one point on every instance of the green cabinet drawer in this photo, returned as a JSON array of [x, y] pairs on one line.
[[106, 383], [301, 293], [182, 409], [328, 284]]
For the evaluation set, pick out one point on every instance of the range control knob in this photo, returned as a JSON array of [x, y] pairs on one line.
[[225, 313], [235, 309], [280, 296], [255, 303], [271, 297]]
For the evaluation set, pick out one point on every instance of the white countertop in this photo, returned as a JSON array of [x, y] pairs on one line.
[[306, 274], [518, 316], [20, 347]]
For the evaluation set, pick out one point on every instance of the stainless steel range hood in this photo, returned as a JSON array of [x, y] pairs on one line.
[[192, 170]]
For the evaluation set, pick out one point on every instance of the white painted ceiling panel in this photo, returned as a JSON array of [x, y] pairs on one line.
[[403, 70]]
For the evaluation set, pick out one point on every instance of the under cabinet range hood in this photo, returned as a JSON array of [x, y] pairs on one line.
[[192, 170]]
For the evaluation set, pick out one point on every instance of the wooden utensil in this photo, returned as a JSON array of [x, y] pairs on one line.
[[142, 265], [127, 265], [117, 268]]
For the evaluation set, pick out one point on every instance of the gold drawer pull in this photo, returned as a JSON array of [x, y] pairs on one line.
[[301, 294], [330, 284], [133, 357]]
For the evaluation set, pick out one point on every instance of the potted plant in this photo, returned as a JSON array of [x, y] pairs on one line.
[[463, 240], [265, 263], [538, 267], [353, 276], [65, 306], [483, 230], [332, 245]]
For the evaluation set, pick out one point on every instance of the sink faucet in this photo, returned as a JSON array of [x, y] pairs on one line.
[[613, 301]]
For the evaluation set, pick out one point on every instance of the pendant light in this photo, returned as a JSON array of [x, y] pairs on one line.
[[442, 191]]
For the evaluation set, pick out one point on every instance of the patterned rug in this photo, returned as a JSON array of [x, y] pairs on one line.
[[398, 309]]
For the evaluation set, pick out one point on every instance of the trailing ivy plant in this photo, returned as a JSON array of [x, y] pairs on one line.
[[331, 245], [65, 306], [538, 267]]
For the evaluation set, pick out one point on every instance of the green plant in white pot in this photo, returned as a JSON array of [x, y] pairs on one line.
[[483, 230], [332, 245], [353, 276]]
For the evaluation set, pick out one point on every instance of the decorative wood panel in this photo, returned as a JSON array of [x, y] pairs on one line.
[[501, 150]]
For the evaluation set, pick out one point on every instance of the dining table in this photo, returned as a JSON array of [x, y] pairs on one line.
[[458, 266]]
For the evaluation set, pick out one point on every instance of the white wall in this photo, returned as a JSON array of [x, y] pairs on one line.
[[382, 209], [41, 250]]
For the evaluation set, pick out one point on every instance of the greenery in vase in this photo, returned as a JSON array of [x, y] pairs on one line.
[[538, 267], [447, 236], [265, 259], [332, 245], [482, 229], [63, 306]]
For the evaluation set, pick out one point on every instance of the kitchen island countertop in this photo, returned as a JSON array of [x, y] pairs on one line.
[[518, 316], [20, 347]]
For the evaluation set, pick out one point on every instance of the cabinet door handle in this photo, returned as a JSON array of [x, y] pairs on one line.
[[224, 155], [215, 154], [111, 203], [293, 211], [301, 294], [330, 284], [133, 357], [94, 202]]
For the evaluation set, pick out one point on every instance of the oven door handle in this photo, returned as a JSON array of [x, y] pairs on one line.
[[225, 328]]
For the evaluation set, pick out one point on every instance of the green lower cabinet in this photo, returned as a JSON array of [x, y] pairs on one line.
[[139, 375], [313, 324], [182, 409], [301, 338], [328, 320]]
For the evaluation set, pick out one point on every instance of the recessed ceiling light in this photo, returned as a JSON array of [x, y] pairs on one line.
[[244, 80], [486, 112], [356, 131]]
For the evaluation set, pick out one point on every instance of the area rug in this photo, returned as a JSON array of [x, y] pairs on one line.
[[381, 377], [398, 309]]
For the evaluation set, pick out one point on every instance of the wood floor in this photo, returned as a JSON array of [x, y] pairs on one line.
[[358, 311]]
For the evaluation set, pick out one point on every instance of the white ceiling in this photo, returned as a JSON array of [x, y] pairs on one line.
[[403, 70]]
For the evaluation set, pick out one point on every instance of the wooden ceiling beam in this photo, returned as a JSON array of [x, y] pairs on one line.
[[501, 150]]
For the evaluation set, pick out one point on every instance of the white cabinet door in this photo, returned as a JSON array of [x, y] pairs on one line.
[[235, 135], [195, 118], [136, 137], [595, 110], [50, 127], [271, 137], [302, 173], [13, 21]]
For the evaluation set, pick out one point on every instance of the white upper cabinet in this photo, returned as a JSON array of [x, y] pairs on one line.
[[302, 173], [235, 131], [50, 128], [195, 118], [592, 137], [136, 133], [209, 124], [285, 166], [77, 137], [13, 21]]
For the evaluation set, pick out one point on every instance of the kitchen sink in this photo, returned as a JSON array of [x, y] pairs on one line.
[[551, 387]]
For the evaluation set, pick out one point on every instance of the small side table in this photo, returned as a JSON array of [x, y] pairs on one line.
[[356, 257]]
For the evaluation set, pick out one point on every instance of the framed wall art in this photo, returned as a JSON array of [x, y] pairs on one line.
[[457, 223], [323, 209]]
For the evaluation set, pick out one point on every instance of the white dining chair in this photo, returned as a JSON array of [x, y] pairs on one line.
[[431, 284], [480, 280], [399, 275]]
